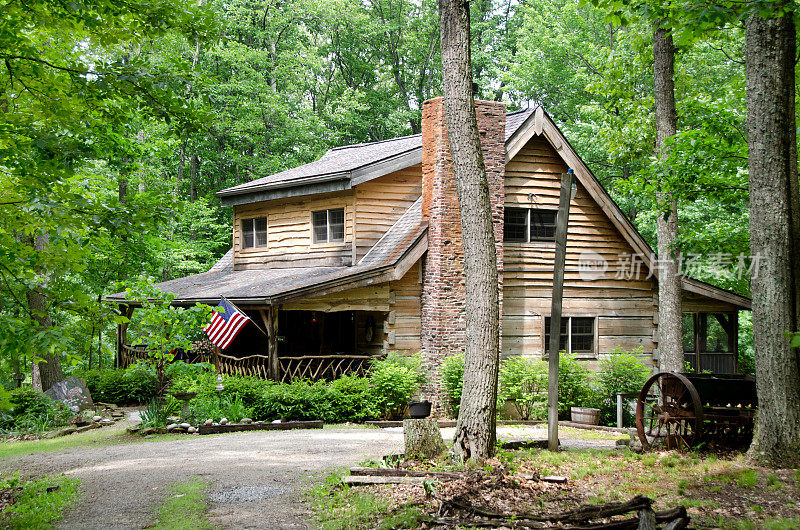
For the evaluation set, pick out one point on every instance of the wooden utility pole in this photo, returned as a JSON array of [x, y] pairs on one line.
[[567, 181]]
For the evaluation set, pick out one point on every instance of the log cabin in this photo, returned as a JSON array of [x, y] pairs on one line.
[[359, 253]]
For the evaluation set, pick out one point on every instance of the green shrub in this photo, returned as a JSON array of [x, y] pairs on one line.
[[235, 410], [298, 400], [620, 372], [524, 382], [204, 408], [452, 372], [137, 384], [574, 389], [394, 381], [28, 401], [351, 399], [157, 412], [33, 411], [182, 368]]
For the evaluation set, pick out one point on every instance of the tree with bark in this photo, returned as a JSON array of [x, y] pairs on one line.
[[770, 52], [475, 430], [46, 369], [670, 321]]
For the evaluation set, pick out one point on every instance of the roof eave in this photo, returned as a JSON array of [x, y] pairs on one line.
[[717, 293]]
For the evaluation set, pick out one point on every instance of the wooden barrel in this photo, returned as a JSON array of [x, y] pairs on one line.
[[585, 415]]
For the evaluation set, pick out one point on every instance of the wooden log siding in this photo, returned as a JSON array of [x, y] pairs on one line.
[[404, 317], [379, 203], [624, 309], [289, 241]]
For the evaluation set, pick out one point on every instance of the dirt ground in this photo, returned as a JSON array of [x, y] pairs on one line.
[[255, 480]]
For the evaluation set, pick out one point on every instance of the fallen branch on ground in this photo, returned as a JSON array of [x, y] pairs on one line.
[[579, 518]]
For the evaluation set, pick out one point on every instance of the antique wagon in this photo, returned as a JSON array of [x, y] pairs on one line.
[[687, 409]]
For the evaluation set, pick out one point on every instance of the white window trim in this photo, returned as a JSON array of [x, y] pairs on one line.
[[328, 241], [578, 355], [252, 222]]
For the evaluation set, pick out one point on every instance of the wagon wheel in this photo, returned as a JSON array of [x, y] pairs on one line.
[[669, 409]]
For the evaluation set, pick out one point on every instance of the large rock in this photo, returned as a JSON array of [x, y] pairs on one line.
[[72, 392], [88, 427]]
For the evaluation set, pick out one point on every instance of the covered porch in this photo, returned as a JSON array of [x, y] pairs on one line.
[[307, 322], [711, 328], [283, 345]]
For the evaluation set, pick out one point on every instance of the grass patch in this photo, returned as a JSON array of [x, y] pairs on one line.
[[185, 509], [747, 478], [339, 506], [112, 435], [40, 503]]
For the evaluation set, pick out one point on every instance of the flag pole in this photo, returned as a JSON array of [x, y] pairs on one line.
[[250, 319]]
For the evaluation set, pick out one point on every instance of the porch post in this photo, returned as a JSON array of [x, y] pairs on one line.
[[122, 335], [274, 365]]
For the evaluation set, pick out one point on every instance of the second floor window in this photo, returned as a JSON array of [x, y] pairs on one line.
[[328, 225], [525, 225], [254, 232]]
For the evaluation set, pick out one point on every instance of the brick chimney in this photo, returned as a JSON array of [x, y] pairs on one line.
[[443, 287]]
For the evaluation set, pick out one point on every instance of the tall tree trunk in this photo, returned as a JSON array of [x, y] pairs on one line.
[[475, 429], [122, 184], [49, 369], [181, 166], [670, 334], [774, 234], [194, 166]]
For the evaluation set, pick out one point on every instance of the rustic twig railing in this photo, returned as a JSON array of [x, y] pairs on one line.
[[132, 355], [252, 365], [316, 367]]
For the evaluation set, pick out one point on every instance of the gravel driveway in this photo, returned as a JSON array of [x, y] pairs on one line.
[[254, 478]]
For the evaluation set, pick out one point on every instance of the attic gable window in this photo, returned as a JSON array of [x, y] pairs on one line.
[[254, 232], [328, 225], [526, 225]]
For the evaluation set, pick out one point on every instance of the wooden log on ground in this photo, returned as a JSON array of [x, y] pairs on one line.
[[423, 439], [387, 472], [578, 519], [233, 427], [366, 481], [512, 445], [647, 519]]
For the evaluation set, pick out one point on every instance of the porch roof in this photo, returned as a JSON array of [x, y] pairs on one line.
[[389, 259]]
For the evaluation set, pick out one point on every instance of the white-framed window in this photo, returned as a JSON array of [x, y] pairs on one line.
[[526, 225], [577, 335], [328, 225], [254, 232]]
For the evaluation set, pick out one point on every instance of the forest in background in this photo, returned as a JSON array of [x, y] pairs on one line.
[[120, 122]]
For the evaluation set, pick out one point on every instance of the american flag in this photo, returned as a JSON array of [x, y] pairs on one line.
[[225, 325]]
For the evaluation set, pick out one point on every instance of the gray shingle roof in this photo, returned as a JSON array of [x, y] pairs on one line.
[[340, 161], [268, 285], [397, 239]]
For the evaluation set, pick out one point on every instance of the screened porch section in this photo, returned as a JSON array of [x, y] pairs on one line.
[[710, 342]]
